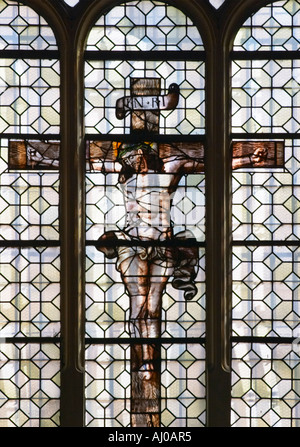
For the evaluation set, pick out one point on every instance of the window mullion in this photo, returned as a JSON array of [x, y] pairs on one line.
[[72, 242], [218, 241]]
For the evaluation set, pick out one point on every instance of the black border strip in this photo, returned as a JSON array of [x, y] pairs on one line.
[[170, 55], [264, 54]]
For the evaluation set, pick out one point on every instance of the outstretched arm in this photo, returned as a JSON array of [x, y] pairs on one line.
[[182, 158], [177, 158], [103, 156]]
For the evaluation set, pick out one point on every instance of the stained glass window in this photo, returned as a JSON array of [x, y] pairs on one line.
[[145, 207], [29, 215], [265, 314], [127, 208]]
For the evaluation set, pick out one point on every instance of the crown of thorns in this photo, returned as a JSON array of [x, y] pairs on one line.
[[123, 150]]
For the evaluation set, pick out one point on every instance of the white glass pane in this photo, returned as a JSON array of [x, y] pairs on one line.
[[274, 27], [71, 2], [217, 3], [144, 26]]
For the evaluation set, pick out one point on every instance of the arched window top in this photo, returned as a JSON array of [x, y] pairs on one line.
[[71, 2], [275, 27], [23, 29], [216, 3], [144, 25]]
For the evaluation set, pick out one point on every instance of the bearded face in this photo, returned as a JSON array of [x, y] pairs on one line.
[[136, 160]]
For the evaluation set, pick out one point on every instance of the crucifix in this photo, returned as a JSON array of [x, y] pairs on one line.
[[147, 252], [152, 254]]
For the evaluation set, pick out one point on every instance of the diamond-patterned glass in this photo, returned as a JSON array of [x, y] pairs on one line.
[[215, 3], [265, 224], [29, 292], [101, 94], [183, 386], [275, 27], [265, 291], [265, 96], [29, 390], [29, 202], [23, 29], [29, 96], [145, 25], [265, 385], [29, 220], [108, 385], [266, 202]]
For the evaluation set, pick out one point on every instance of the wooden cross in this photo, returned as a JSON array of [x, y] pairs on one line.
[[145, 102], [41, 155], [144, 105]]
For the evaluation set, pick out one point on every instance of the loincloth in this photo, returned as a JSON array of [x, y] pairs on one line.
[[182, 259]]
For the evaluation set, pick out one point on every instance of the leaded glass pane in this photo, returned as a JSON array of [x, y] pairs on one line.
[[29, 216], [145, 227], [266, 291], [29, 292], [108, 385], [107, 81], [29, 377], [275, 27], [108, 382], [29, 95], [266, 386], [265, 302], [29, 202], [266, 202], [265, 96], [23, 29], [144, 26], [183, 386]]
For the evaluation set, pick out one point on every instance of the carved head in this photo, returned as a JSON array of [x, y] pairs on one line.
[[135, 157]]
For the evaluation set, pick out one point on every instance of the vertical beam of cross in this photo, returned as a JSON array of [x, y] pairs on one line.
[[145, 120], [145, 393]]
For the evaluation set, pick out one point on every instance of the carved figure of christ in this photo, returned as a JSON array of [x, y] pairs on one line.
[[146, 255], [149, 176], [149, 180]]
